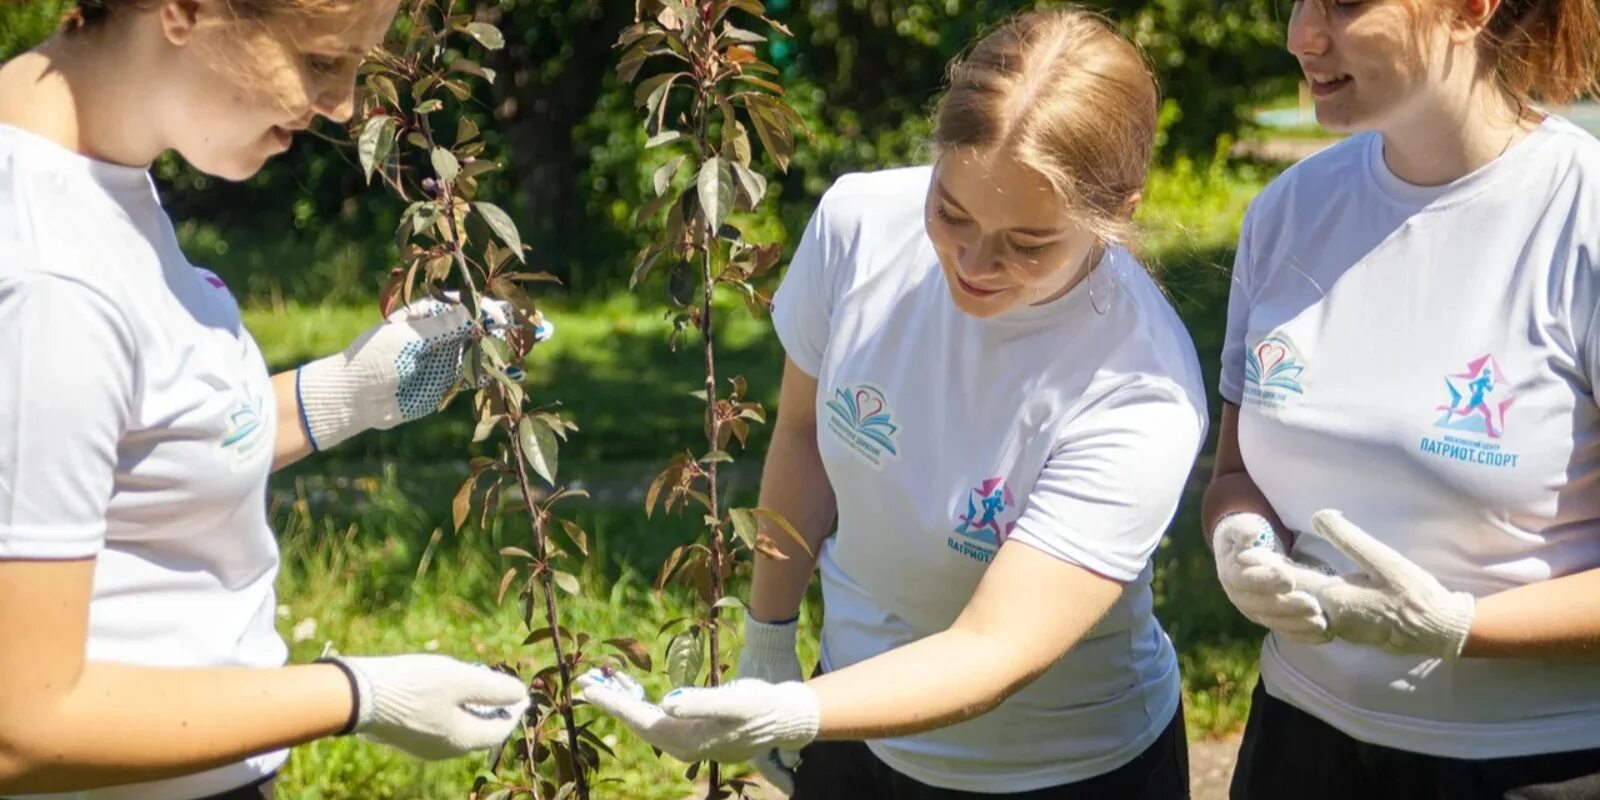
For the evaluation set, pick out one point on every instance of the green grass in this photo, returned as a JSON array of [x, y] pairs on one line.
[[368, 555]]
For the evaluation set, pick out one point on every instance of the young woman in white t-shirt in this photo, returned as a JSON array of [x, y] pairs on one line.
[[138, 424], [1407, 487], [1001, 409]]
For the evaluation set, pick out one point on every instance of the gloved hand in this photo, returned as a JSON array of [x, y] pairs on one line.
[[769, 655], [739, 721], [432, 706], [396, 372], [1391, 603], [1261, 581]]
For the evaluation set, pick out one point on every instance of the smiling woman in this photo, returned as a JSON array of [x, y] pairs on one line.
[[1001, 408], [266, 68], [136, 561]]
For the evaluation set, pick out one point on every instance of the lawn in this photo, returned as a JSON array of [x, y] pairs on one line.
[[371, 567]]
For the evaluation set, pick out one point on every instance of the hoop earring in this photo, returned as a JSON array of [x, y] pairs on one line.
[[1096, 256]]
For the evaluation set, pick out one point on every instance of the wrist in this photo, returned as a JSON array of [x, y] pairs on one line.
[[1247, 529], [767, 646], [360, 694], [1451, 624], [331, 400]]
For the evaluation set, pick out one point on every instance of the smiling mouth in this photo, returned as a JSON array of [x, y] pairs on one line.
[[1327, 83], [974, 290]]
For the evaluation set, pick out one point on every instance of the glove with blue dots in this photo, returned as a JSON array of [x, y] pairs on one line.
[[396, 372]]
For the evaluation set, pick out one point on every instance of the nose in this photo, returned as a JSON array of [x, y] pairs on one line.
[[979, 258], [336, 99], [1308, 28]]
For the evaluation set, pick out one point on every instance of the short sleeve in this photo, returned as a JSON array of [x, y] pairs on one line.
[[1588, 299], [1113, 482], [66, 377], [802, 309], [1231, 383]]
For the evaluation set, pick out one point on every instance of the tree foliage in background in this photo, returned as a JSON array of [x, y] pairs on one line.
[[861, 73]]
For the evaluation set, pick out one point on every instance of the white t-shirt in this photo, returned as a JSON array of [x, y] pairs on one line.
[[137, 426], [1068, 427], [1424, 359]]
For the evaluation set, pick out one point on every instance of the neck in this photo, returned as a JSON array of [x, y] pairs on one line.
[[1450, 143], [80, 92]]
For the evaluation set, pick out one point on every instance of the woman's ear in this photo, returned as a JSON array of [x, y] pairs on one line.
[[1471, 17], [180, 18], [1131, 205]]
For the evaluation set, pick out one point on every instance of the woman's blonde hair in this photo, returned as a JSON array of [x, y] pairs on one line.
[[1072, 98], [87, 14]]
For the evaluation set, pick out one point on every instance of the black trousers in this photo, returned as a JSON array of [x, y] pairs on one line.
[[1288, 753], [254, 791], [849, 771]]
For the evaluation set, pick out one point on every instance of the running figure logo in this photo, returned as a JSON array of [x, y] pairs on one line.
[[1479, 399], [986, 504]]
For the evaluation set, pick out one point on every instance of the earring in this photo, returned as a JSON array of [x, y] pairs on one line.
[[1096, 256]]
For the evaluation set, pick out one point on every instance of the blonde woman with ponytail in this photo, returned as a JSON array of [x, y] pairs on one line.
[[999, 409], [1407, 485], [138, 424]]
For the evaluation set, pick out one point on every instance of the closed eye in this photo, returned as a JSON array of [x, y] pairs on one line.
[[951, 219]]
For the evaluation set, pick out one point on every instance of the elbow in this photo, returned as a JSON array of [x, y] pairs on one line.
[[24, 751], [15, 762]]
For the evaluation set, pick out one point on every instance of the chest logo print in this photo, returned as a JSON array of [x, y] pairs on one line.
[[1272, 371], [1479, 398], [985, 521], [860, 416]]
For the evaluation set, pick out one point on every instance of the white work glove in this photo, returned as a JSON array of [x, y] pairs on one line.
[[399, 371], [432, 706], [769, 655], [1262, 582], [1391, 603], [738, 721]]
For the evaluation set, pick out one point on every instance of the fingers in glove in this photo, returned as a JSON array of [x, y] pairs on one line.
[[778, 767], [487, 687], [1258, 577], [1288, 604], [1373, 556], [621, 697], [735, 700], [1299, 628]]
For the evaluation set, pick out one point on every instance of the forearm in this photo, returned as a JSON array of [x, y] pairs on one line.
[[123, 724], [292, 442], [1235, 492], [1232, 490], [950, 677], [1550, 619], [795, 485]]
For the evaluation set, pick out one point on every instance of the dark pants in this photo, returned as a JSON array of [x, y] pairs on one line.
[[849, 771], [1288, 753], [260, 790]]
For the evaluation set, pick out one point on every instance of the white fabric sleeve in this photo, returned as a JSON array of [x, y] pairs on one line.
[[66, 378], [1589, 267], [1231, 383], [802, 308], [1112, 485]]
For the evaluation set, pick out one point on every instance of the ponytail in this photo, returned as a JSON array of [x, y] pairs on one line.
[[1545, 51]]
